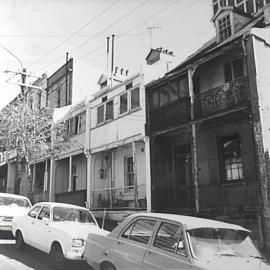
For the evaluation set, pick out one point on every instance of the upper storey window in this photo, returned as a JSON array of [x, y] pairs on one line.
[[169, 92], [224, 27]]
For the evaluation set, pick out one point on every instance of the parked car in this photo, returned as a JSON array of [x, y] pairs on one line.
[[11, 206], [56, 228], [165, 241]]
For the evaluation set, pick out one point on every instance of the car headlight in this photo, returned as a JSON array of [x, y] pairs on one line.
[[77, 243]]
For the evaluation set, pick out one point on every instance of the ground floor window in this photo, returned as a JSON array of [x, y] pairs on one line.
[[129, 172], [231, 159]]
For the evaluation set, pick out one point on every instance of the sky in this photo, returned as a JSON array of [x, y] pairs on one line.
[[37, 34]]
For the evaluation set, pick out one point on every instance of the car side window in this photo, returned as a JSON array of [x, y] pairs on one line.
[[140, 231], [33, 213], [44, 213], [170, 237]]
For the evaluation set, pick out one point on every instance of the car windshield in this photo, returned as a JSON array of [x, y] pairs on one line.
[[212, 242], [13, 201], [72, 214]]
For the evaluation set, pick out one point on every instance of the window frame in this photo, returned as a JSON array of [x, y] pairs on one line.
[[37, 213], [181, 236], [127, 173], [131, 226], [104, 118], [222, 159], [45, 206], [230, 64], [81, 128], [139, 96], [224, 29]]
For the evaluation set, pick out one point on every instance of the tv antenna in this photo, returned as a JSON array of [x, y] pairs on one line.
[[150, 29]]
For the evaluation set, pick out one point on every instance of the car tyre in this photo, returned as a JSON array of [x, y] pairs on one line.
[[56, 256], [108, 266], [19, 240]]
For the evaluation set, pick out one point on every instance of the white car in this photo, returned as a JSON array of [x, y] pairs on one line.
[[11, 206], [56, 228]]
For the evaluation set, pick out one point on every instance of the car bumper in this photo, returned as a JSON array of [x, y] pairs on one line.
[[5, 226], [75, 254]]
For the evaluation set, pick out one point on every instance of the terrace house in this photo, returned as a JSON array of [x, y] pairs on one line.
[[208, 123]]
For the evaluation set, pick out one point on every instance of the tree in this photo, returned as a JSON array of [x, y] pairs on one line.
[[28, 132]]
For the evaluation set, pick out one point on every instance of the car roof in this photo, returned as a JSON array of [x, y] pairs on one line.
[[13, 195], [193, 222], [58, 204]]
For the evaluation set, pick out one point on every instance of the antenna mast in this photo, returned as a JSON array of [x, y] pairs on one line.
[[150, 29]]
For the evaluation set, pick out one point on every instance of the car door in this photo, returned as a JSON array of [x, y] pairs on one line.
[[42, 229], [28, 224], [129, 248], [168, 250]]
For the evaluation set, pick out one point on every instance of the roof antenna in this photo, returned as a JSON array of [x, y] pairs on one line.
[[150, 29]]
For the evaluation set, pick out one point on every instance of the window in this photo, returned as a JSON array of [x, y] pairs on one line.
[[231, 158], [135, 98], [155, 98], [129, 85], [129, 172], [184, 87], [140, 231], [175, 89], [164, 95], [170, 237], [233, 70], [224, 27], [100, 114], [123, 103], [109, 110], [44, 213], [33, 213], [81, 122]]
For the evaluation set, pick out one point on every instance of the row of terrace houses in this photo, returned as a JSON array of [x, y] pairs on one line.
[[194, 141], [103, 156]]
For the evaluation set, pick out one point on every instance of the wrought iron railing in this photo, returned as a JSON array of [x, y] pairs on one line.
[[223, 97], [239, 195], [213, 197], [119, 198]]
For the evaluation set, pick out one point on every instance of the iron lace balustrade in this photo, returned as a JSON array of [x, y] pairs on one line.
[[222, 98]]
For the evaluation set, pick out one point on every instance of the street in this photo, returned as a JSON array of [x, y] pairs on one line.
[[30, 258]]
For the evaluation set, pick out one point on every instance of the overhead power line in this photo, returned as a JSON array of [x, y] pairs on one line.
[[74, 33], [102, 31]]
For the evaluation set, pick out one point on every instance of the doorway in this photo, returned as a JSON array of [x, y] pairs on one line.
[[183, 193]]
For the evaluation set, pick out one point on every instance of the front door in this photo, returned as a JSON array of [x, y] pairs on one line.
[[183, 177]]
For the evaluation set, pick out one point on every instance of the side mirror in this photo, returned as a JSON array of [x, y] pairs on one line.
[[46, 220]]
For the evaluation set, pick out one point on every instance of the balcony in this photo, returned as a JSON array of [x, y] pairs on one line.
[[223, 97], [120, 198]]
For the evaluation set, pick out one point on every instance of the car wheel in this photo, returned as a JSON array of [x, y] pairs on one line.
[[107, 266], [19, 240], [57, 258]]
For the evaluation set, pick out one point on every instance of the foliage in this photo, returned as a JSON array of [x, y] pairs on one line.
[[27, 131]]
